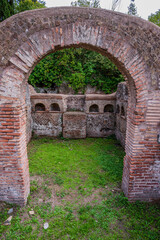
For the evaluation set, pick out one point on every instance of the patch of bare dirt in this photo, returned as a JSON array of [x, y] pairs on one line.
[[40, 196], [75, 197], [59, 196]]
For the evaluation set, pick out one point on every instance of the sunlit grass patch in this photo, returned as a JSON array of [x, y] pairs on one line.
[[91, 162]]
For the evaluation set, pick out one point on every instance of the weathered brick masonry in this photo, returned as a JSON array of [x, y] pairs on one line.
[[133, 44], [50, 111]]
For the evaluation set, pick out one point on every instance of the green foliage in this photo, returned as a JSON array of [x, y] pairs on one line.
[[77, 81], [155, 18], [34, 186], [78, 67], [24, 5], [132, 10], [11, 7], [6, 9]]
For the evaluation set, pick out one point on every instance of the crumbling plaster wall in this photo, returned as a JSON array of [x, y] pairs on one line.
[[101, 121]]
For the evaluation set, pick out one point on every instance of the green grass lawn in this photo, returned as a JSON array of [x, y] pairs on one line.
[[76, 189]]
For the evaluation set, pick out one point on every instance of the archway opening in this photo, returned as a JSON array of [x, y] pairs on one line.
[[78, 112], [71, 84], [81, 113]]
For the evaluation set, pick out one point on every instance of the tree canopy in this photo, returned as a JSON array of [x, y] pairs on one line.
[[155, 18], [132, 10], [6, 9], [24, 5], [11, 7], [77, 67]]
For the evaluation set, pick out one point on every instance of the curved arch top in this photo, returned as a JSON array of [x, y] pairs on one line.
[[97, 27]]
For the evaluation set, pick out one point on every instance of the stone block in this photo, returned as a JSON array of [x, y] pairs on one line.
[[100, 125], [74, 125], [48, 124], [74, 103]]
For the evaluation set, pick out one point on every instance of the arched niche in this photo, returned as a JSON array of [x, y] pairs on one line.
[[109, 108], [40, 107], [122, 111], [54, 107], [94, 108], [117, 109]]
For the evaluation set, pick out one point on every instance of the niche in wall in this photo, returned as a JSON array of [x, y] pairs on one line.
[[122, 112], [55, 107], [39, 107], [109, 108], [94, 108], [117, 109]]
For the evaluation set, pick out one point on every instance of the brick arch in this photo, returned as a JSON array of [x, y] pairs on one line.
[[131, 43]]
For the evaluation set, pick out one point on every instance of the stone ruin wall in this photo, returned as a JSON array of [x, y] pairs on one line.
[[78, 116]]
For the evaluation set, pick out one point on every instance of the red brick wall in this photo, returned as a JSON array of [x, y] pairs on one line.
[[132, 43], [74, 125], [13, 155]]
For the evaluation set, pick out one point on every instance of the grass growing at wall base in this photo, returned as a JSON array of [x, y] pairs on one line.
[[75, 187]]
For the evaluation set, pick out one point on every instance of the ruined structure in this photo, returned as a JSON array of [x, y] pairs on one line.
[[54, 114], [79, 116], [132, 43]]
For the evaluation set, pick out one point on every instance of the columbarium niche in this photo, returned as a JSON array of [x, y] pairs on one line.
[[109, 108], [39, 107], [94, 108], [54, 107]]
